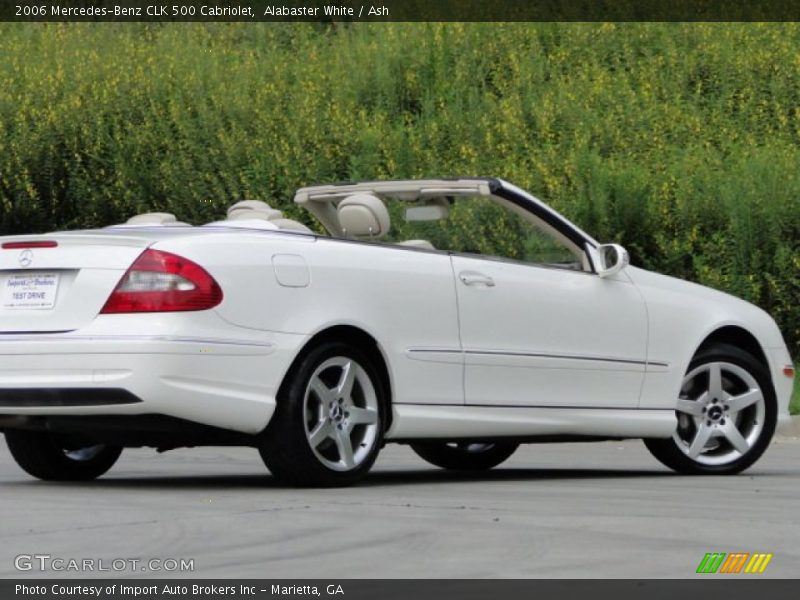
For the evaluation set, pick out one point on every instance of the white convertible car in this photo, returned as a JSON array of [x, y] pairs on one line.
[[460, 316]]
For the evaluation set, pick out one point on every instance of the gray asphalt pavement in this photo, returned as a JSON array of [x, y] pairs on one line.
[[574, 510]]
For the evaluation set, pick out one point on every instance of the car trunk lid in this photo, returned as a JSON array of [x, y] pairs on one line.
[[60, 282]]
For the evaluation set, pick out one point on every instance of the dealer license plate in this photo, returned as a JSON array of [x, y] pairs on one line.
[[30, 291]]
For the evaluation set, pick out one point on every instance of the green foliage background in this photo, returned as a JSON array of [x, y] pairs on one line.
[[678, 140]]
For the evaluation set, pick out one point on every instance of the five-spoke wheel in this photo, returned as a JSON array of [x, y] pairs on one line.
[[328, 425], [720, 413], [341, 413], [726, 414]]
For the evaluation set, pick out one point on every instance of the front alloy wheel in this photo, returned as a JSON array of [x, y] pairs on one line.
[[726, 415], [328, 426]]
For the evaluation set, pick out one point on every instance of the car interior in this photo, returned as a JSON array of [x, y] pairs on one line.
[[365, 216]]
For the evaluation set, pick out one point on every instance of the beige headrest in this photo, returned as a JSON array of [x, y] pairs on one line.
[[153, 218], [363, 216], [247, 209]]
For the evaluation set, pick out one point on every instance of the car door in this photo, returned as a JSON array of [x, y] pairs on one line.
[[539, 336], [538, 327]]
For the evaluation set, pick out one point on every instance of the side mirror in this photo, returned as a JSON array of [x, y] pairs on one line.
[[611, 259]]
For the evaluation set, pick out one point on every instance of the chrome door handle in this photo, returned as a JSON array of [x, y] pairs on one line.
[[474, 278]]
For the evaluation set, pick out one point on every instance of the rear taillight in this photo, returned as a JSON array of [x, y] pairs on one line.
[[162, 282]]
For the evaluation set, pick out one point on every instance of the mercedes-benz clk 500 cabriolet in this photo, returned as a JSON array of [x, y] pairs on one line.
[[461, 316]]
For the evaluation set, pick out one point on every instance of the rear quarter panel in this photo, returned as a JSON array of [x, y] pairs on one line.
[[402, 297]]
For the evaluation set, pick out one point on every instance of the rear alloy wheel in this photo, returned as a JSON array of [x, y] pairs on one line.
[[58, 458], [726, 415], [328, 427], [465, 456]]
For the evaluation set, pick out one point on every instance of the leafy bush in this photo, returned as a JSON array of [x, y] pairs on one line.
[[678, 140]]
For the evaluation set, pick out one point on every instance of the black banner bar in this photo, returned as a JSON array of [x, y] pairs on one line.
[[397, 10], [735, 588]]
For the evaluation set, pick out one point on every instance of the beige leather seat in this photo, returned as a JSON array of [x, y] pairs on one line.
[[251, 215], [423, 244], [253, 209], [365, 216], [154, 218], [290, 225], [248, 210]]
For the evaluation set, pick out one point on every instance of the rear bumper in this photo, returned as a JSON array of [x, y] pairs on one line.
[[64, 397], [222, 382]]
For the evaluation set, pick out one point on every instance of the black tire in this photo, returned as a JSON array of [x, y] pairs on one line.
[[51, 457], [285, 447], [668, 452], [464, 456]]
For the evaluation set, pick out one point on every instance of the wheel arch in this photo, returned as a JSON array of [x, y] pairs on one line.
[[735, 336], [739, 337], [359, 338], [744, 341]]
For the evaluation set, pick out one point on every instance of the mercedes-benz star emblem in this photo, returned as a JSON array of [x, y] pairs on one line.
[[25, 258]]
